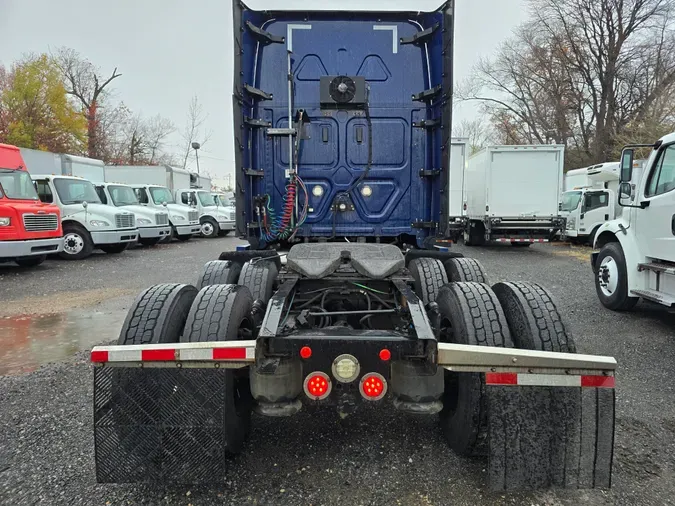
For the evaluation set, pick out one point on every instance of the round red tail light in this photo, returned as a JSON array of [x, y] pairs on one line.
[[305, 352], [373, 386], [317, 386], [385, 354]]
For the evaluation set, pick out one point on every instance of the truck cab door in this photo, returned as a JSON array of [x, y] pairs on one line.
[[655, 222], [594, 211]]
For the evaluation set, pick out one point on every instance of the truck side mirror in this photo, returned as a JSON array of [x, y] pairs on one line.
[[84, 204], [627, 157], [625, 191]]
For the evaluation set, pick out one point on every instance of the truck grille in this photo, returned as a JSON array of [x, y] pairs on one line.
[[161, 219], [193, 215], [40, 222], [233, 215], [124, 221]]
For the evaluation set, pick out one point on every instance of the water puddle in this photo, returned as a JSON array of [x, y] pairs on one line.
[[27, 342]]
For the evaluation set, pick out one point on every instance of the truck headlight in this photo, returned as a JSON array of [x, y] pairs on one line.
[[177, 217], [99, 223], [571, 223], [4, 222], [143, 221]]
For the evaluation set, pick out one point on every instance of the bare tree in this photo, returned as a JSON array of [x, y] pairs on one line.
[[477, 131], [85, 82], [582, 73], [194, 130], [157, 129]]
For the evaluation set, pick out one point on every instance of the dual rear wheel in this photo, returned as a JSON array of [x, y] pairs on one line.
[[219, 309], [507, 315]]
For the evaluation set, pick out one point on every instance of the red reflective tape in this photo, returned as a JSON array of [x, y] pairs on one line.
[[229, 353], [99, 356], [501, 378], [162, 355], [597, 381]]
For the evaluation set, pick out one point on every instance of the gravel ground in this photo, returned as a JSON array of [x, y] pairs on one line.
[[378, 456]]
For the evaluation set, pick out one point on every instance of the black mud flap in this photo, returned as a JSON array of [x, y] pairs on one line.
[[542, 437], [159, 425]]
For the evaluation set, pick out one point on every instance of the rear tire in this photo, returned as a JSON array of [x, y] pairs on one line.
[[470, 314], [114, 249], [466, 270], [429, 275], [259, 278], [158, 315], [533, 318], [77, 243], [223, 313], [30, 261], [611, 279], [219, 272], [183, 238]]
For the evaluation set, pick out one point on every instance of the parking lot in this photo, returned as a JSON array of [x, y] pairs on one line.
[[51, 314]]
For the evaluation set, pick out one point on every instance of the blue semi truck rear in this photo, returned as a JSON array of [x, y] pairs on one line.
[[342, 125]]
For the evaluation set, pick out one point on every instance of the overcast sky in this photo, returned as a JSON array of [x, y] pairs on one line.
[[169, 50]]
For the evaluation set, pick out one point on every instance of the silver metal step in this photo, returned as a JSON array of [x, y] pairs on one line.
[[654, 296], [657, 267]]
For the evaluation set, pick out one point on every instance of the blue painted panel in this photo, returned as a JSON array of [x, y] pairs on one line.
[[334, 146]]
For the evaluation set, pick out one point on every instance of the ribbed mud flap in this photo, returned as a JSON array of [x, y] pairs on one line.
[[543, 437], [159, 425]]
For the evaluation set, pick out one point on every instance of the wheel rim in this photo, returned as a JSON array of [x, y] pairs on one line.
[[73, 243], [608, 276], [207, 229]]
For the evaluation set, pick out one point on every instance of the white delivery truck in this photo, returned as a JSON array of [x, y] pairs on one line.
[[153, 226], [585, 209], [87, 223], [153, 185], [214, 219], [636, 257], [512, 194], [456, 212], [578, 178]]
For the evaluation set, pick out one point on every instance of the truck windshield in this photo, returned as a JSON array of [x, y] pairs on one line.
[[160, 195], [122, 195], [17, 184], [206, 199], [76, 191], [570, 201], [221, 200]]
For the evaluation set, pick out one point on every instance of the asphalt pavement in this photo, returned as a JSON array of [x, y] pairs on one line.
[[378, 456]]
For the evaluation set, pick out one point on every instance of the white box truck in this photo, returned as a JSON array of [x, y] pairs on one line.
[[87, 223], [578, 178], [153, 226], [154, 185], [636, 257], [200, 181], [512, 194], [456, 213], [585, 209]]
